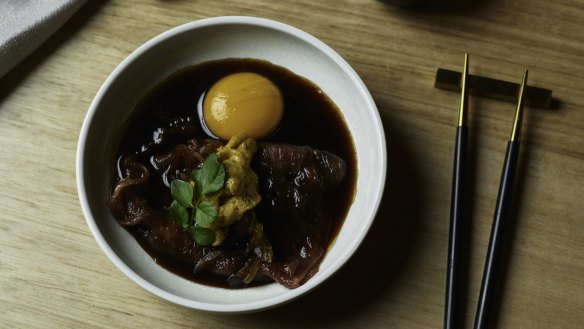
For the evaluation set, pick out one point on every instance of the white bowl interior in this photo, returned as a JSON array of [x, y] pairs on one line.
[[193, 43]]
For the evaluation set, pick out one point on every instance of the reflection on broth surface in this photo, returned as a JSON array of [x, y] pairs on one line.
[[306, 174]]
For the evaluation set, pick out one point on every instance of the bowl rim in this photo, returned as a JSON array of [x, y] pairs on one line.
[[247, 306]]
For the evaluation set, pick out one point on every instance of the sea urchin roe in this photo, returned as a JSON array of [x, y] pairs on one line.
[[240, 192], [243, 103]]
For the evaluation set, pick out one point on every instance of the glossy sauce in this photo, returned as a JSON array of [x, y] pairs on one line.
[[310, 118]]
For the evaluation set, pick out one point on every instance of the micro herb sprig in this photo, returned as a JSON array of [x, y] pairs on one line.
[[188, 210]]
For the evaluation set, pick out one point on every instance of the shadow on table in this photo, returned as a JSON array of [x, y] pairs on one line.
[[27, 66], [379, 265], [438, 5], [441, 16]]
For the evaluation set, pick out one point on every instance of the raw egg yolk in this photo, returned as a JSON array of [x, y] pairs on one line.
[[243, 103]]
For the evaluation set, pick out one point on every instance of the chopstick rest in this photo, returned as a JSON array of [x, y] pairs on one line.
[[503, 204], [493, 88]]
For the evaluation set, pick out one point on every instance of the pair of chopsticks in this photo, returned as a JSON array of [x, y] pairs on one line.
[[457, 215]]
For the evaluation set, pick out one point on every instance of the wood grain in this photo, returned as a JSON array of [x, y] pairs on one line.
[[53, 274]]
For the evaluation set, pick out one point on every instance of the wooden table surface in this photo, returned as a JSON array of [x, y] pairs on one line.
[[53, 274]]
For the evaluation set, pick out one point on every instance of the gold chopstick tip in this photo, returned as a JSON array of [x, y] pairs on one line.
[[462, 113], [516, 132]]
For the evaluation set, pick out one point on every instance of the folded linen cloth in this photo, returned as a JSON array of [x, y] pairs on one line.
[[26, 24]]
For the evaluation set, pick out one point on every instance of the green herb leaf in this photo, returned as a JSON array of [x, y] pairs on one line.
[[205, 213], [182, 192], [179, 214], [202, 236], [210, 177]]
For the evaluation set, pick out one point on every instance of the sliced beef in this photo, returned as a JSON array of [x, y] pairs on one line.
[[293, 177], [293, 182], [291, 222]]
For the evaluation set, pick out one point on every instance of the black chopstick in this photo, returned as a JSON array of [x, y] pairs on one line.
[[484, 306], [457, 209]]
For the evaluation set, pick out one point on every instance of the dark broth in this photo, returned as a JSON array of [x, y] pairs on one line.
[[310, 118]]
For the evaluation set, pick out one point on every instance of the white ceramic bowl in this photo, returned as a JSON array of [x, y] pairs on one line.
[[212, 39]]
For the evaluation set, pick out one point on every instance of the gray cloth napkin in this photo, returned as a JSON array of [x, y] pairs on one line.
[[25, 24]]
